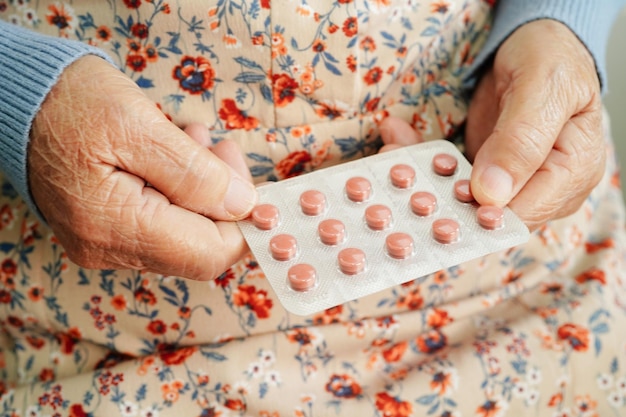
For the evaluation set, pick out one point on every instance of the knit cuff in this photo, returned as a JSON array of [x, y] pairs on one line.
[[590, 20], [30, 64]]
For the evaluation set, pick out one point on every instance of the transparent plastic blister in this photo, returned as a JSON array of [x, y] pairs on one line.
[[329, 278]]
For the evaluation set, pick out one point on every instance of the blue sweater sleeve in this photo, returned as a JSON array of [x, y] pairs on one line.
[[590, 20], [30, 64]]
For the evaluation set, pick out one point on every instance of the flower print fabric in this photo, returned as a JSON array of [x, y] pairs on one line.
[[533, 330]]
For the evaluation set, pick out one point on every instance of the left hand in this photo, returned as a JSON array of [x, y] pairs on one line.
[[534, 125]]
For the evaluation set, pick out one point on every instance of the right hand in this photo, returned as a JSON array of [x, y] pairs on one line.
[[96, 143]]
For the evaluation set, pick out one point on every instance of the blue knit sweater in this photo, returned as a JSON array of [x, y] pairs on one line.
[[31, 63]]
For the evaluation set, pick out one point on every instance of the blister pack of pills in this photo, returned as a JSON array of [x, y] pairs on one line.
[[340, 233]]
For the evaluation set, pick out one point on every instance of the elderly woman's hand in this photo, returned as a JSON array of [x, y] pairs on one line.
[[122, 187], [534, 127]]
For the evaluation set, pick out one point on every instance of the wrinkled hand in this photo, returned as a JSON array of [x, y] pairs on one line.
[[96, 143], [534, 125]]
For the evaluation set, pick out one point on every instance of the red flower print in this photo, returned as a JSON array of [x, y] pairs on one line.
[[351, 63], [328, 316], [593, 247], [140, 30], [224, 279], [442, 382], [333, 28], [151, 53], [551, 288], [144, 295], [490, 408], [157, 327], [431, 342], [392, 406], [368, 44], [330, 110], [344, 1], [343, 386], [15, 321], [46, 375], [184, 312], [395, 352], [235, 404], [373, 76], [301, 336], [9, 267], [132, 4], [134, 45], [577, 336], [35, 341], [293, 164], [136, 62], [235, 118], [438, 318], [176, 356], [76, 410], [103, 33], [555, 400], [195, 75], [441, 6], [412, 300], [265, 4], [372, 104], [257, 301], [284, 88], [67, 341], [6, 216], [593, 274], [118, 302], [318, 46], [60, 15], [350, 26], [5, 297], [35, 293]]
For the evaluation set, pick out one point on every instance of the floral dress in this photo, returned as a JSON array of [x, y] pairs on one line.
[[533, 330]]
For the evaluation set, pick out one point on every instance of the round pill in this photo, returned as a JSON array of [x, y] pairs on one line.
[[423, 203], [283, 247], [399, 245], [445, 231], [444, 164], [378, 216], [302, 277], [312, 202], [402, 175], [490, 217], [351, 261], [265, 216], [463, 192], [331, 231], [358, 189]]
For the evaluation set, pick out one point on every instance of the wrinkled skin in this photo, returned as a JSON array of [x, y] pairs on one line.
[[96, 142], [534, 127]]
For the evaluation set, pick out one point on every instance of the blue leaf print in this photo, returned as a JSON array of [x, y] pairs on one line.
[[145, 82], [248, 63], [250, 78], [259, 170], [259, 158], [426, 399]]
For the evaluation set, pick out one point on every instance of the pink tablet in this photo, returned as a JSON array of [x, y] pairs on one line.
[[423, 203], [444, 164], [302, 277], [265, 216], [446, 231], [312, 202], [331, 231], [283, 247], [358, 189], [351, 261], [402, 175]]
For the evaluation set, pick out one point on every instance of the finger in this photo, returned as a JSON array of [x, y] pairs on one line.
[[156, 235], [230, 152], [199, 133], [525, 132], [571, 170], [227, 150], [186, 172], [396, 131]]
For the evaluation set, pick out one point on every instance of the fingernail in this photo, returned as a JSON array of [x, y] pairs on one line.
[[240, 198], [497, 184]]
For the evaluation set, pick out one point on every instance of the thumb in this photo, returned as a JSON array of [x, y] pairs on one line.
[[528, 124]]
